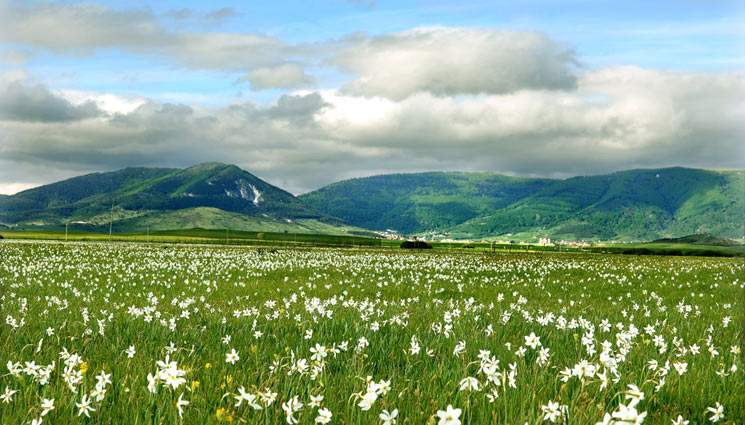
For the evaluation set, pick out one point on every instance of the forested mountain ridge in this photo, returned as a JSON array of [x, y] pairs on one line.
[[634, 204]]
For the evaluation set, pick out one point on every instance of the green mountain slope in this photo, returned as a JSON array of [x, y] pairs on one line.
[[636, 204], [412, 203], [207, 194]]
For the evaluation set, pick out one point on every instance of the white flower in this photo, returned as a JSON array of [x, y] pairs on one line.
[[46, 405], [680, 367], [173, 376], [368, 400], [607, 420], [449, 416], [634, 394], [180, 403], [232, 356], [532, 340], [324, 416], [383, 386], [103, 379], [85, 406], [717, 412], [469, 383], [551, 411], [388, 418], [130, 351], [290, 407], [584, 369], [151, 383], [628, 415], [248, 398], [319, 352], [315, 401], [680, 421], [268, 397], [7, 396]]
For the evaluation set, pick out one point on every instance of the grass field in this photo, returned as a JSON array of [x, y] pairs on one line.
[[168, 334], [283, 239], [203, 236]]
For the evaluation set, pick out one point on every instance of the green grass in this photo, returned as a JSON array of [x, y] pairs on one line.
[[97, 299], [673, 249], [202, 236]]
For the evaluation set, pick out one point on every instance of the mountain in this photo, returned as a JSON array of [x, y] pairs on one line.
[[414, 203], [208, 195], [626, 205]]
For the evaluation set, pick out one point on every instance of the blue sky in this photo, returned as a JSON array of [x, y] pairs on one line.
[[672, 35], [367, 72]]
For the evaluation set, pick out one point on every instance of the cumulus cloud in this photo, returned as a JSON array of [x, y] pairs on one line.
[[443, 61], [36, 103], [84, 28], [284, 76], [616, 118], [66, 27], [451, 61]]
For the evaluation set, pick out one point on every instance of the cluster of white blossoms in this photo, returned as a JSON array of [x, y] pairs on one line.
[[372, 392], [200, 334]]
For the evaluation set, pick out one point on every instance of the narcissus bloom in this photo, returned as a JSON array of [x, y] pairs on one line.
[[449, 416], [232, 356]]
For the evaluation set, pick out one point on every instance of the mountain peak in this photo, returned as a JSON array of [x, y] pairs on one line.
[[207, 166], [145, 192]]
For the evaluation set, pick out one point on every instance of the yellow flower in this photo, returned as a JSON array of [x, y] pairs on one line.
[[229, 378], [194, 385], [84, 367], [208, 365], [223, 415]]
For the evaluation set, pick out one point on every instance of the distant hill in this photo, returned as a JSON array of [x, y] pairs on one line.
[[704, 239], [627, 205], [208, 195]]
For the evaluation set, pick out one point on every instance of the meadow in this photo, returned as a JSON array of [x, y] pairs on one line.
[[133, 333]]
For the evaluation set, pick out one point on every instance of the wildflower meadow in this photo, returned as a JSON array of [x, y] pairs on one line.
[[168, 334]]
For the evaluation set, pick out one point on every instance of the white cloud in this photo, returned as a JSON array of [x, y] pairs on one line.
[[448, 61], [65, 27], [286, 75], [106, 102], [20, 101], [13, 188], [617, 118], [84, 28]]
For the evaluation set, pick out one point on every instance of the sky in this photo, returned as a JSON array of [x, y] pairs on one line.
[[306, 93]]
